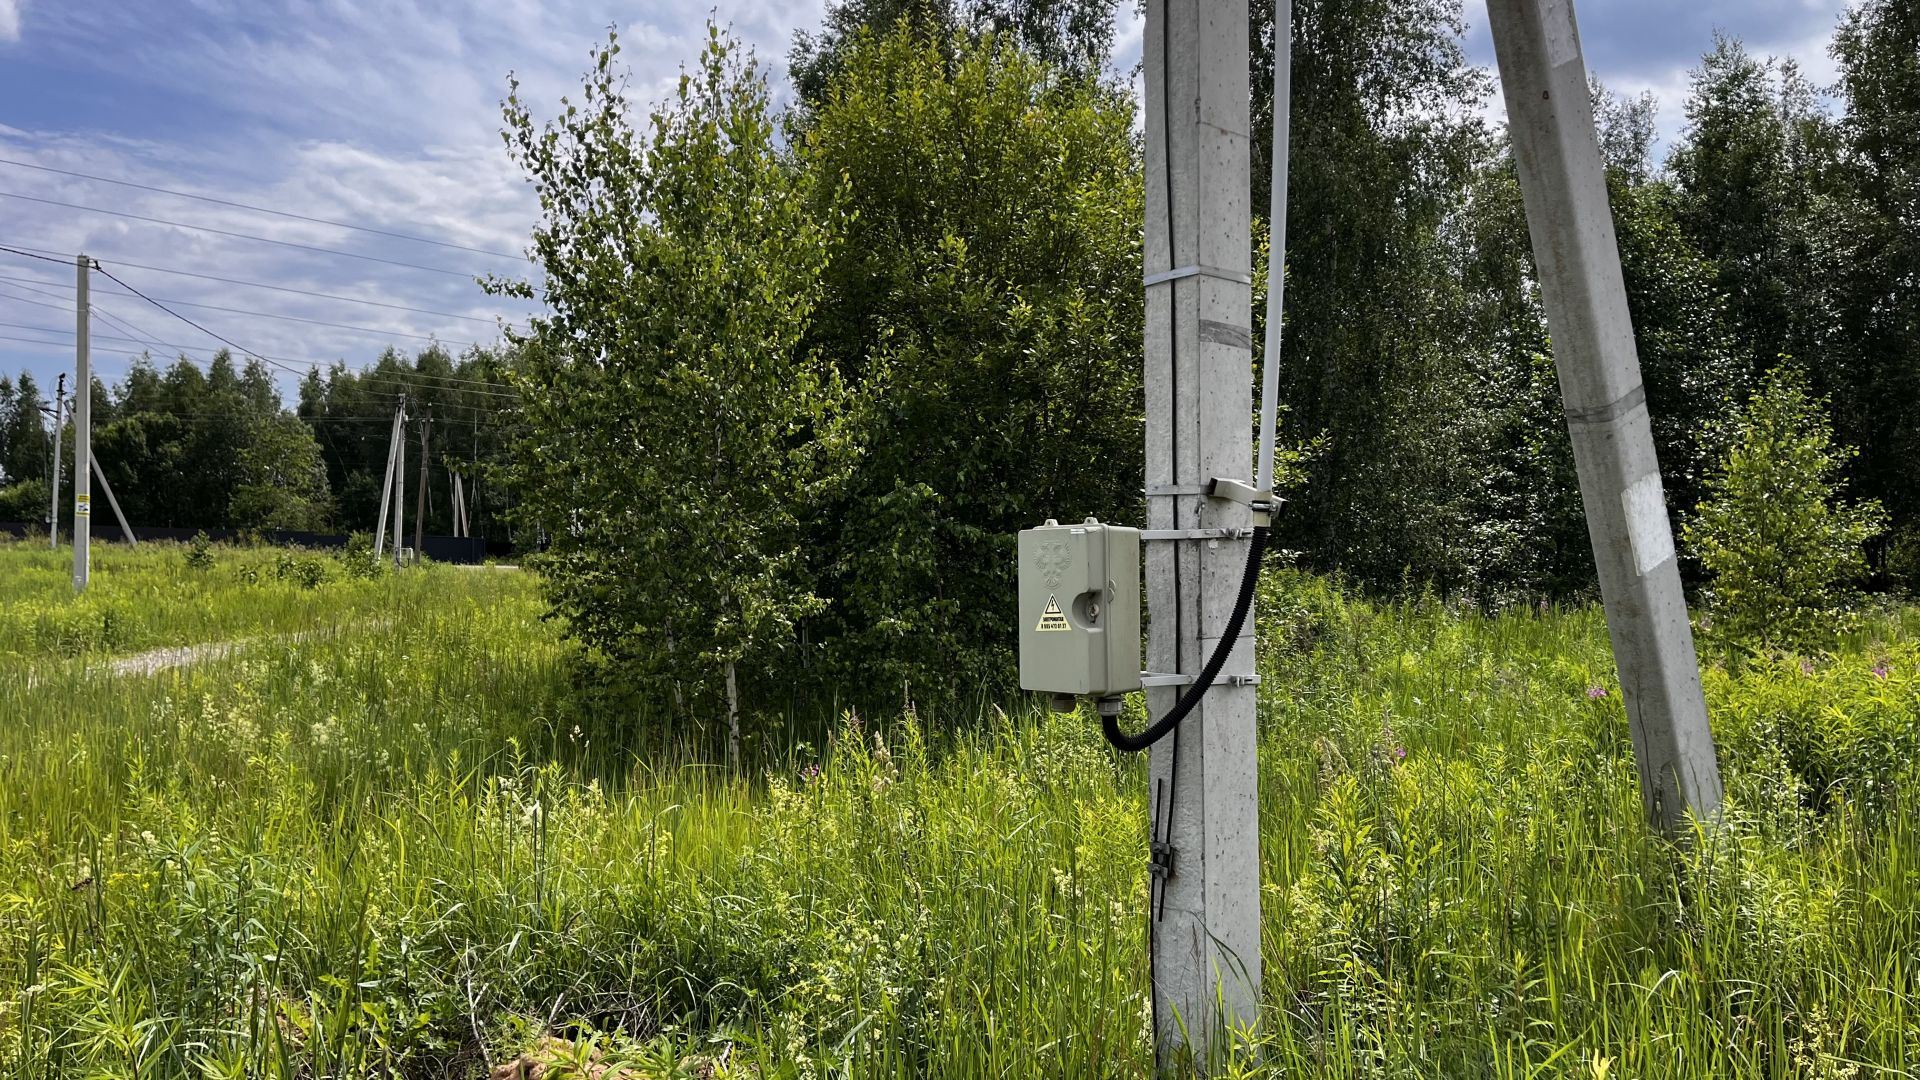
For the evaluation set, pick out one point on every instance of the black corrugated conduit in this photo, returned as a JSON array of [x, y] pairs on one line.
[[1249, 578]]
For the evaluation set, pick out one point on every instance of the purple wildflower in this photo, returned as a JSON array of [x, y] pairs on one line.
[[1596, 692], [1806, 667], [1399, 753], [810, 773], [1881, 670]]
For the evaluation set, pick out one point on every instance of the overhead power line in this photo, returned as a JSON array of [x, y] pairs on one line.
[[287, 364], [238, 235], [260, 209], [32, 255], [42, 253], [68, 306], [243, 311], [63, 345], [486, 388]]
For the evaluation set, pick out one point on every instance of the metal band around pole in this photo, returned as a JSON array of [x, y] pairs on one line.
[[1214, 272]]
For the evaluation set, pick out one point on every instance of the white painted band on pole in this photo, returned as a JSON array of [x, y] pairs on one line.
[[1645, 504]]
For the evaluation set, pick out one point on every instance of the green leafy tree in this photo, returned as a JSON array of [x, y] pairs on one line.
[[1754, 171], [282, 481], [678, 432], [1385, 138], [1876, 279], [1784, 550], [24, 437], [986, 303], [1071, 36]]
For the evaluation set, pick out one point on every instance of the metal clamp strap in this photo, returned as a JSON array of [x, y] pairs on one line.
[[1152, 679], [1178, 272], [1167, 491], [1195, 534]]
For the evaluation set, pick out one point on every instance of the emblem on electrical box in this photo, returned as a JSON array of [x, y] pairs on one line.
[[1052, 560]]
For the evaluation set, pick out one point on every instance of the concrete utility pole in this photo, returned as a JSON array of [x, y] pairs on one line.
[[1205, 896], [82, 426], [1563, 181], [53, 474], [420, 497], [106, 489], [394, 434]]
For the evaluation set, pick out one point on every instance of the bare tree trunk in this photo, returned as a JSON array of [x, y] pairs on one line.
[[733, 719]]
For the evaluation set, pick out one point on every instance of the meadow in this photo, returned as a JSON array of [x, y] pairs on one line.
[[381, 833]]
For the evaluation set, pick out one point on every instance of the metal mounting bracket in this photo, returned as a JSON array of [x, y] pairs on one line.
[[1195, 534], [1151, 679], [1262, 502]]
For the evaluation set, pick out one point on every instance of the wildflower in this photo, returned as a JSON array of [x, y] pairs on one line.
[[1399, 753], [1596, 692], [810, 773], [1881, 670], [1806, 667]]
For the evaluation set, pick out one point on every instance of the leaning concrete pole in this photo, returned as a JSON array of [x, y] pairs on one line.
[[1551, 120], [1205, 916]]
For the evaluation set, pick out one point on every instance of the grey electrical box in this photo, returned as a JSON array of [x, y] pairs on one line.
[[1080, 609]]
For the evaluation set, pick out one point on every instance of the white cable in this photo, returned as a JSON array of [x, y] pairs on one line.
[[1276, 237]]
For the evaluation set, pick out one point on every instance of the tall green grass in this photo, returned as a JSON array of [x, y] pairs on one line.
[[398, 844]]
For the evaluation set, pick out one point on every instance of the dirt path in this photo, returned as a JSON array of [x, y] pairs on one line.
[[154, 661]]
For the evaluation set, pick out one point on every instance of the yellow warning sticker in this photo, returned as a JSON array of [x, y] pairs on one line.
[[1053, 618], [83, 505]]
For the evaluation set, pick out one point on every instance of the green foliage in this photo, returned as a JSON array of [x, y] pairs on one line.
[[331, 851], [1784, 551], [282, 483], [357, 559], [1902, 563], [200, 553], [25, 448], [1074, 36], [985, 305], [1823, 735], [679, 432], [306, 571], [24, 501], [1376, 360]]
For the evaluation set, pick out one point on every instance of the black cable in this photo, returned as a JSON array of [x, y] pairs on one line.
[[263, 359], [262, 285], [31, 255], [1110, 724]]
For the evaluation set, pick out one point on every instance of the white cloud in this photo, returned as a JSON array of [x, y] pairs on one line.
[[380, 112], [10, 20]]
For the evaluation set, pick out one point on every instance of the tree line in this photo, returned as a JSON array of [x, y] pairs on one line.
[[214, 446], [806, 370]]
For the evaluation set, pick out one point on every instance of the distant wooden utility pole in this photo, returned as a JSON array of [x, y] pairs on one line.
[[420, 497], [1564, 183], [53, 473]]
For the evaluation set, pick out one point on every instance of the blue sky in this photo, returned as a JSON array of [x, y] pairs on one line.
[[385, 113]]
